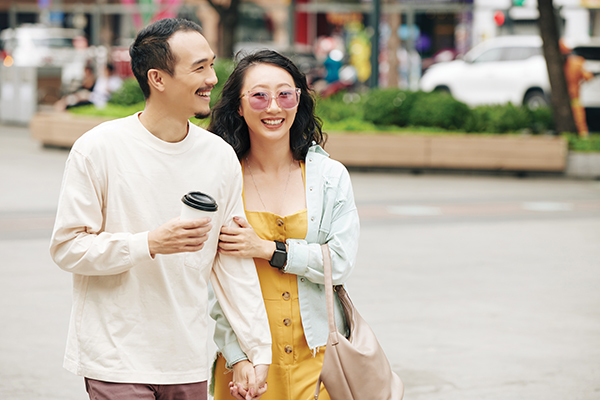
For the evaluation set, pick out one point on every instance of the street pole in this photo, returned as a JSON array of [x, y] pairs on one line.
[[292, 25], [375, 13]]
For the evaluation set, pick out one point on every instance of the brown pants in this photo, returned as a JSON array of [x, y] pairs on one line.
[[99, 390]]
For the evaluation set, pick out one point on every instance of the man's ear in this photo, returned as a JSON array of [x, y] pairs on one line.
[[156, 79]]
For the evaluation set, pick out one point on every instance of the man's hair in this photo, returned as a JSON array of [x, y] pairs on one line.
[[227, 123], [151, 49]]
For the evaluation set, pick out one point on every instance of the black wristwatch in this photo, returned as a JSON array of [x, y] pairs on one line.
[[280, 256]]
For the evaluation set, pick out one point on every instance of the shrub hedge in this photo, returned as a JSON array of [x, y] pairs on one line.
[[388, 108]]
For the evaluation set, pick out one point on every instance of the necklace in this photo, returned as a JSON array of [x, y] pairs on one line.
[[258, 191]]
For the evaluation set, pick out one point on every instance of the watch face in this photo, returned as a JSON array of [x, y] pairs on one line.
[[279, 259]]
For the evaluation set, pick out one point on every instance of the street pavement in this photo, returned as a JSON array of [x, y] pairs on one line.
[[478, 287]]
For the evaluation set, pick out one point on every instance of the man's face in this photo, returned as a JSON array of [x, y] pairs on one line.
[[194, 76]]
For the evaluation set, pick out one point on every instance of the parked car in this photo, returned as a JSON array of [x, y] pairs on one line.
[[36, 45], [497, 71]]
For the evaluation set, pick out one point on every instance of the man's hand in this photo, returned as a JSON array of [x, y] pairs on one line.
[[249, 382], [178, 236]]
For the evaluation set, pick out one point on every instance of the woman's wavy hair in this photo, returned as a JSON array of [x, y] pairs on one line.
[[227, 123]]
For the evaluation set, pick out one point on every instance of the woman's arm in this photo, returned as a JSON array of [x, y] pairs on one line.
[[341, 234]]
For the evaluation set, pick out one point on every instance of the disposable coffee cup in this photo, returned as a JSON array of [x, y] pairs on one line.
[[197, 205]]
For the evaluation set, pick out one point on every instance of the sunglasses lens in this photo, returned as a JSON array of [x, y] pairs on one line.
[[259, 100], [287, 99]]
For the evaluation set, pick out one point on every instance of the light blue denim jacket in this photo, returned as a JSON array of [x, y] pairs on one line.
[[333, 219]]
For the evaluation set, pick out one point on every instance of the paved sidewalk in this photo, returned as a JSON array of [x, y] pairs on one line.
[[477, 287]]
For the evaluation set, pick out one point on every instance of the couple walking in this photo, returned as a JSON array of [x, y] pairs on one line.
[[142, 277]]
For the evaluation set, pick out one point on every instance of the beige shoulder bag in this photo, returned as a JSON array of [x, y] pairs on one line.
[[355, 368]]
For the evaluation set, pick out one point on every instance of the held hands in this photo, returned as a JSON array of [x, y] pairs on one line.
[[242, 241], [178, 236], [249, 382]]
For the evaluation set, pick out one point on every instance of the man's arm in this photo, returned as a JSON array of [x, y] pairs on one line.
[[80, 245], [235, 284]]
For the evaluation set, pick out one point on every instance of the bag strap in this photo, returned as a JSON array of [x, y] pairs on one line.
[[328, 287], [329, 300]]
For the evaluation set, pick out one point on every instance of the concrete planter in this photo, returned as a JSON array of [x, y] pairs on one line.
[[583, 165], [498, 152]]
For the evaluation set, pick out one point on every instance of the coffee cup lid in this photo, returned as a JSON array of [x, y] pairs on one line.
[[199, 201]]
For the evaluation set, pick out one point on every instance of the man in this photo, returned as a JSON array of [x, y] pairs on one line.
[[138, 327]]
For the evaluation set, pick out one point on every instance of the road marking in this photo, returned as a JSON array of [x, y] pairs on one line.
[[547, 206], [415, 211]]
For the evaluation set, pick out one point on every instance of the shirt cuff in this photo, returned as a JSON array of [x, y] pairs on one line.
[[233, 354], [138, 248], [298, 255], [260, 355]]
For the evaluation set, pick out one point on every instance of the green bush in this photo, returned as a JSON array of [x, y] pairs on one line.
[[589, 144], [389, 106], [541, 120], [499, 119], [341, 106], [439, 110], [223, 68], [110, 111], [129, 94]]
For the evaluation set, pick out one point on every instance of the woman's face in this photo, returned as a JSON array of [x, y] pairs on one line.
[[266, 117]]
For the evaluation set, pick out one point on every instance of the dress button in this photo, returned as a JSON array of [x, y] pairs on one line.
[[310, 189], [310, 160], [288, 349], [301, 279], [312, 218], [287, 322], [279, 222], [286, 295]]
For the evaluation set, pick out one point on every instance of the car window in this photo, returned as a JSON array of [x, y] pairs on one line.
[[588, 52], [521, 53], [489, 55], [53, 42]]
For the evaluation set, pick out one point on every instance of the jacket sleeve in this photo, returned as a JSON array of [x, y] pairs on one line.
[[79, 244], [224, 336], [240, 313], [339, 228]]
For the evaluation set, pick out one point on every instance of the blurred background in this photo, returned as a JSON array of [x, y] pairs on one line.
[[346, 45], [478, 264]]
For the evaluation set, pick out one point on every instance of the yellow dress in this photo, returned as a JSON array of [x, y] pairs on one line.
[[294, 370]]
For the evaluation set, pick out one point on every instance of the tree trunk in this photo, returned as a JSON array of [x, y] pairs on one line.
[[228, 21], [227, 24], [392, 50], [561, 103]]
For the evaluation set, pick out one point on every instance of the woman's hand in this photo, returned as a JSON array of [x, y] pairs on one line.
[[242, 241], [246, 385]]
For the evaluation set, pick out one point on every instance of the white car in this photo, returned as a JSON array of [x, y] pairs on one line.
[[36, 45], [500, 70]]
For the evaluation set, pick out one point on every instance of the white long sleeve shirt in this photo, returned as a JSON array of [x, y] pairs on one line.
[[135, 318]]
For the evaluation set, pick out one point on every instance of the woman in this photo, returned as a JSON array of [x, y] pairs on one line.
[[296, 199]]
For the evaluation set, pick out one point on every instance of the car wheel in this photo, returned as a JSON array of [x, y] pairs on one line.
[[535, 99], [442, 89]]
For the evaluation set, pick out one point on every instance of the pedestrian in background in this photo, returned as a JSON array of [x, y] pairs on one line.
[[296, 199], [138, 326], [575, 74]]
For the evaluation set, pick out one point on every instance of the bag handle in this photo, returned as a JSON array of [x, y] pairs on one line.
[[328, 287], [329, 300]]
